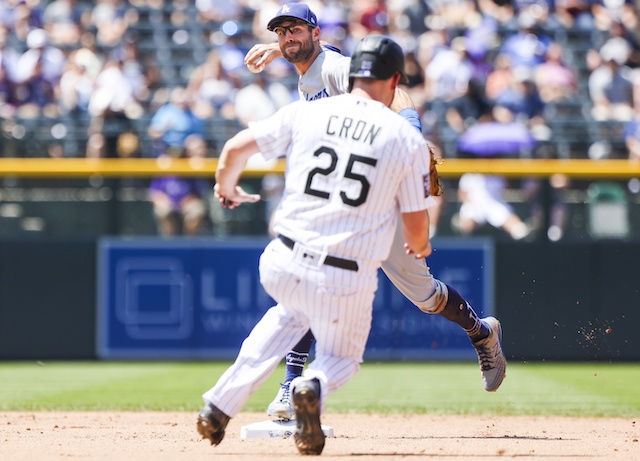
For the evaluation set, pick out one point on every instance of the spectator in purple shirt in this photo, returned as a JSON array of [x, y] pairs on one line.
[[179, 203]]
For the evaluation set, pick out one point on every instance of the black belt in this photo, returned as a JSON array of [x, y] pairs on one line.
[[346, 264]]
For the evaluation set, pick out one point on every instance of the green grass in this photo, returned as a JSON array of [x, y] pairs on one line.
[[584, 389]]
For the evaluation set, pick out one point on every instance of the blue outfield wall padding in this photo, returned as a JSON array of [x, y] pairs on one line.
[[199, 299]]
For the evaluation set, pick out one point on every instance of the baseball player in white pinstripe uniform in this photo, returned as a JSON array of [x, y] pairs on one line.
[[324, 73], [354, 169]]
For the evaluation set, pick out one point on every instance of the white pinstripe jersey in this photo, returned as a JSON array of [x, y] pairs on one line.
[[351, 164]]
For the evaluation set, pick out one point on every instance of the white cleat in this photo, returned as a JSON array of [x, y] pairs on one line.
[[493, 364], [281, 408]]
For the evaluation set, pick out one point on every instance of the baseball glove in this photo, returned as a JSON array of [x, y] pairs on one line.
[[435, 185]]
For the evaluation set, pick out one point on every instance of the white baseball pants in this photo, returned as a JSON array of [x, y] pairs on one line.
[[335, 303]]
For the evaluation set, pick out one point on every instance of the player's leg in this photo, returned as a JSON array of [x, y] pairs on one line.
[[278, 257], [340, 310], [260, 354], [414, 280], [485, 335], [265, 347], [281, 408]]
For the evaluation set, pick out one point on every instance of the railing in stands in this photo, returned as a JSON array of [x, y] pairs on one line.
[[455, 167]]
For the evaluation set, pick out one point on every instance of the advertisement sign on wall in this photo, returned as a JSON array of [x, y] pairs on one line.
[[199, 299]]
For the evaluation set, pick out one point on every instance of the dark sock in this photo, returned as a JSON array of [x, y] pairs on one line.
[[297, 357], [459, 311]]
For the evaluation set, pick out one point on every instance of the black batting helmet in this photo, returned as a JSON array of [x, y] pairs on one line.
[[377, 57]]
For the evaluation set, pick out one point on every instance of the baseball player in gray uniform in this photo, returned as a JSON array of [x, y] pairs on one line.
[[355, 169], [324, 73]]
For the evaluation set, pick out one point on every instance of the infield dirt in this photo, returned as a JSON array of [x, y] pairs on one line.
[[172, 436]]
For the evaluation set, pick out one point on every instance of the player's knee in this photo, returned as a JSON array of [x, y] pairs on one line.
[[437, 301]]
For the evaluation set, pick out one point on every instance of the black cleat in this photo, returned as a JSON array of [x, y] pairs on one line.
[[211, 424], [309, 436]]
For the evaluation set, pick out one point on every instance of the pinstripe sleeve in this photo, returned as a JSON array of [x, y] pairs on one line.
[[413, 194], [274, 134]]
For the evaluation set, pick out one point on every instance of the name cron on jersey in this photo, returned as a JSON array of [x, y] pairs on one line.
[[358, 130], [322, 94]]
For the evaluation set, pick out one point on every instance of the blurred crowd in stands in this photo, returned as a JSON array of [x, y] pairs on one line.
[[115, 78]]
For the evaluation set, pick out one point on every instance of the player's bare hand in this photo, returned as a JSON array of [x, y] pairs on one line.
[[236, 198], [261, 55], [421, 253]]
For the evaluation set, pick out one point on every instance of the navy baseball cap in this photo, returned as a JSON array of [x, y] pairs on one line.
[[377, 57], [292, 12]]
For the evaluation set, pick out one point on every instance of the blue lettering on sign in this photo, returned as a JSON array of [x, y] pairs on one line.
[[186, 298]]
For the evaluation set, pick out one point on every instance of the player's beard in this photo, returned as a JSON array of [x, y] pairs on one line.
[[304, 53]]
